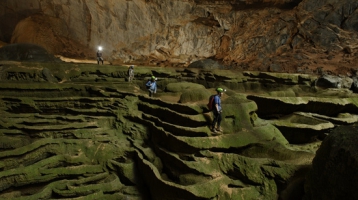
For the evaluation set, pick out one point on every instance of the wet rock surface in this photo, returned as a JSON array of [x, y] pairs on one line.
[[91, 134]]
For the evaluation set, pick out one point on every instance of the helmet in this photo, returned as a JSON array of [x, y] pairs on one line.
[[153, 78], [131, 66], [220, 90]]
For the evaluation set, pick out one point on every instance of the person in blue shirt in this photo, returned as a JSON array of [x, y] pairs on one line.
[[217, 110], [152, 86]]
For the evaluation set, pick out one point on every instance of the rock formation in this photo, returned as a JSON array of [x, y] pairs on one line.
[[333, 173], [26, 52], [279, 36], [82, 131]]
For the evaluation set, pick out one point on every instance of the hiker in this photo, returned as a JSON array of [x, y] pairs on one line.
[[217, 110], [130, 73], [99, 56], [152, 86]]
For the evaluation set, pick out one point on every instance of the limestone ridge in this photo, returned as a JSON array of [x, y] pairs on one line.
[[290, 36], [91, 134], [94, 135]]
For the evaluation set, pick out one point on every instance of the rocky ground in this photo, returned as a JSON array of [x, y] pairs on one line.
[[72, 130], [77, 130]]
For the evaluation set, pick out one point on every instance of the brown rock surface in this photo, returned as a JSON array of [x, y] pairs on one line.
[[284, 36], [49, 32], [2, 44]]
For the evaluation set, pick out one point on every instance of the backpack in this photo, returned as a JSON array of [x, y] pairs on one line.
[[146, 85], [211, 102]]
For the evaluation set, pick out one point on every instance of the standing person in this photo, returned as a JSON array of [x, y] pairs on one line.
[[152, 86], [217, 110], [99, 55], [130, 73]]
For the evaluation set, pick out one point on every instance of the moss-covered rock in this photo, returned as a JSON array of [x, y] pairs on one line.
[[193, 95], [285, 105], [300, 128], [95, 136], [26, 52], [334, 169], [182, 86]]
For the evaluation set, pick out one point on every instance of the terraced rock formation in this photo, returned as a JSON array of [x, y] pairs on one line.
[[80, 131]]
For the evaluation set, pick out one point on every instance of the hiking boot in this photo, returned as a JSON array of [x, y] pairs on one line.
[[219, 130], [213, 130]]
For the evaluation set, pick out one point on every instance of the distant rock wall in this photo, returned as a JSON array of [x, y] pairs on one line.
[[179, 32]]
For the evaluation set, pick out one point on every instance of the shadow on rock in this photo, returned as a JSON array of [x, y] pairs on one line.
[[26, 52]]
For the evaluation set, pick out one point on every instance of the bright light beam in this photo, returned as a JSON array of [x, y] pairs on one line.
[[100, 48]]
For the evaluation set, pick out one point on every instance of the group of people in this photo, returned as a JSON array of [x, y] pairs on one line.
[[151, 86]]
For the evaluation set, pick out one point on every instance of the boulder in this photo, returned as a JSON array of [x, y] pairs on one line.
[[334, 169], [206, 64], [347, 82], [329, 81], [48, 76], [355, 84], [275, 68]]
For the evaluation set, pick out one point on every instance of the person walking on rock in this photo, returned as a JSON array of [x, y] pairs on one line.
[[217, 110], [152, 86], [99, 56], [130, 73]]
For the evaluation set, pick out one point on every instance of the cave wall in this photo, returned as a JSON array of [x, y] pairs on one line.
[[180, 32]]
